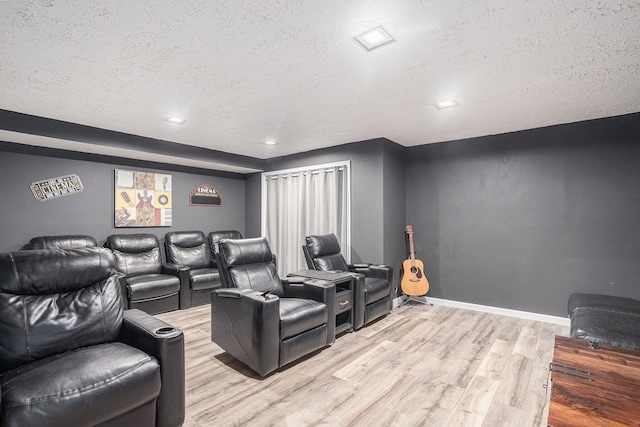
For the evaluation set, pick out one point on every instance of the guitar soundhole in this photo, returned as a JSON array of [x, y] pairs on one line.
[[416, 271]]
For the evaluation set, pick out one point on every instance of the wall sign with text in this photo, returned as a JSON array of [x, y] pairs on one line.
[[142, 199], [205, 195], [53, 188]]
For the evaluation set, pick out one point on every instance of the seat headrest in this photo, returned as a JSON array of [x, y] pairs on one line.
[[70, 241], [215, 237], [237, 252], [132, 243], [185, 239], [56, 300], [51, 271], [322, 245]]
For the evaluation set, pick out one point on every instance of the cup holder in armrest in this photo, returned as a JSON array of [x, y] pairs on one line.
[[165, 330]]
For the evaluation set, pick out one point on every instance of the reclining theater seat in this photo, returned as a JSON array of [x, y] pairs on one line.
[[61, 242], [146, 282], [189, 252], [262, 321], [214, 238], [70, 355], [373, 293]]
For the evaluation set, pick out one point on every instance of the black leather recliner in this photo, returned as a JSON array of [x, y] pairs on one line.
[[71, 356], [67, 241], [261, 320], [147, 282], [199, 276], [214, 238], [373, 293]]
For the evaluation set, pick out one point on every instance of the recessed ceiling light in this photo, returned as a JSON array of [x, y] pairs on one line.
[[374, 38], [176, 120], [270, 143], [445, 104]]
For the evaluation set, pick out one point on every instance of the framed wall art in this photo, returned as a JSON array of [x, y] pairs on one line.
[[142, 199]]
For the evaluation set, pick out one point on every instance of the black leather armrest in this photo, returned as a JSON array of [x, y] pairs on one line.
[[234, 292], [182, 272], [315, 289], [294, 279], [173, 269], [246, 324], [166, 344], [122, 279], [379, 271], [359, 266]]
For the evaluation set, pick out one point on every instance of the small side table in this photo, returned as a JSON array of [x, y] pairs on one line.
[[344, 295]]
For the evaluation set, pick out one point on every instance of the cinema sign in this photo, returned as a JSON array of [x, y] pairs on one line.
[[205, 195], [53, 188]]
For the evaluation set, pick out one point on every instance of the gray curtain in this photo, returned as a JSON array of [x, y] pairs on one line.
[[302, 203]]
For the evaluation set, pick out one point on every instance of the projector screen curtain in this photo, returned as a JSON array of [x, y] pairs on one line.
[[302, 203]]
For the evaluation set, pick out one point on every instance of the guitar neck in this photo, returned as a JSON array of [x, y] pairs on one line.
[[412, 254]]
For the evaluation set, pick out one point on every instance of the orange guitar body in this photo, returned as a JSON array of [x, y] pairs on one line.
[[414, 282]]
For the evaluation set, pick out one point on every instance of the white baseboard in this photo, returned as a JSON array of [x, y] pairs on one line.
[[557, 320]]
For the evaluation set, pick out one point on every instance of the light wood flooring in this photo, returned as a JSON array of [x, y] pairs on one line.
[[421, 365]]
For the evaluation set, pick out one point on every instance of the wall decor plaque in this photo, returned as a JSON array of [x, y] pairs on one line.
[[205, 195], [142, 199], [53, 188]]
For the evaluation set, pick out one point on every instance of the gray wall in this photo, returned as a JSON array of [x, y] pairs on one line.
[[522, 220], [394, 207], [518, 220], [91, 212], [253, 206]]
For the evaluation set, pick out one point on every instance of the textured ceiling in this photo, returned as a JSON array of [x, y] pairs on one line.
[[241, 72]]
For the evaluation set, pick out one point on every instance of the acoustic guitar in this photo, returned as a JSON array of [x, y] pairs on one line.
[[414, 283]]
